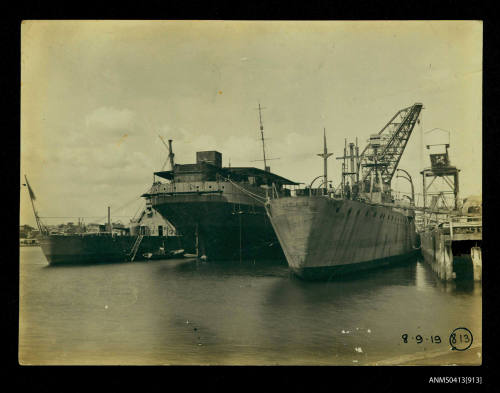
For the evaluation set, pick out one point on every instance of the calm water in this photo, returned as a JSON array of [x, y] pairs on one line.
[[188, 312]]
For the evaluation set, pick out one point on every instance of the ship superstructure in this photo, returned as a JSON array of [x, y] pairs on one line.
[[219, 211]]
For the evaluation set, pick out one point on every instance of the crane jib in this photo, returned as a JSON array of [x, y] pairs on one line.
[[395, 134]]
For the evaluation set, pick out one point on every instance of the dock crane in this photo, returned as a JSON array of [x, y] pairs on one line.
[[387, 147], [372, 170]]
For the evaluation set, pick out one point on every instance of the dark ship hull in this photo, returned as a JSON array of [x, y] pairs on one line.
[[219, 212], [214, 227], [324, 238], [99, 248]]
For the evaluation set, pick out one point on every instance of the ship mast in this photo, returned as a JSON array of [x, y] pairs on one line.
[[262, 137], [325, 156], [266, 168], [32, 199]]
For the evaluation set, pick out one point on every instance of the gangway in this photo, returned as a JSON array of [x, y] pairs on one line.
[[135, 247]]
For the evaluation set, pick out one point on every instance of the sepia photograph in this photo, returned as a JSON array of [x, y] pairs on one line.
[[223, 192]]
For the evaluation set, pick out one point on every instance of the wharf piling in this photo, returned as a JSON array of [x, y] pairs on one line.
[[450, 241], [453, 250]]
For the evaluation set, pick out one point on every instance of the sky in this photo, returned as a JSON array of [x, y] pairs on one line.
[[95, 95]]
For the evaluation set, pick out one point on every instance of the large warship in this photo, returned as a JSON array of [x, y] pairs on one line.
[[327, 233]]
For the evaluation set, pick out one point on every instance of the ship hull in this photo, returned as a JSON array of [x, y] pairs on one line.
[[324, 238], [94, 249], [331, 272], [222, 230]]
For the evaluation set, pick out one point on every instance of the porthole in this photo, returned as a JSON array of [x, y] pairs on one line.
[[357, 213], [375, 214], [337, 209], [349, 211]]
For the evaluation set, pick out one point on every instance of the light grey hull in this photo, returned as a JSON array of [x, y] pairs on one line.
[[330, 235]]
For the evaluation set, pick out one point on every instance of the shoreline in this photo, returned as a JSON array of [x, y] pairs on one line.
[[470, 357]]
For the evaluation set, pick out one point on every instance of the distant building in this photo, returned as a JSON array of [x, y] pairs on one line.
[[120, 229], [472, 205], [92, 228], [149, 223], [26, 231]]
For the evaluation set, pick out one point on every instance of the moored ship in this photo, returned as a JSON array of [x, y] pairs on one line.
[[147, 235], [324, 237], [219, 211], [99, 248], [326, 233]]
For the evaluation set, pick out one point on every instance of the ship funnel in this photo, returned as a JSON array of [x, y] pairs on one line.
[[171, 154], [109, 220]]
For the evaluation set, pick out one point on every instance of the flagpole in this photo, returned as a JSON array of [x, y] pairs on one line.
[[30, 192]]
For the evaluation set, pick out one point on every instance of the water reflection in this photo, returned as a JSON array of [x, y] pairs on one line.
[[232, 268], [460, 287], [183, 311]]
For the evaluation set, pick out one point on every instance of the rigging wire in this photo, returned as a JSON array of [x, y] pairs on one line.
[[141, 206], [258, 198], [100, 218]]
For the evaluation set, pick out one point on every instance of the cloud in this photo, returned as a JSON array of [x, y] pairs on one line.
[[110, 119], [85, 89]]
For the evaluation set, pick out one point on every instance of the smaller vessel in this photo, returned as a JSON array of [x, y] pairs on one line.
[[163, 254], [148, 235]]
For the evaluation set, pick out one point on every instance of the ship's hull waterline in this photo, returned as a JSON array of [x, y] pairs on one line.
[[324, 238], [222, 230], [94, 249]]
